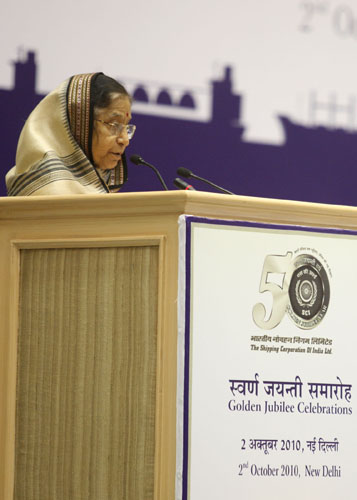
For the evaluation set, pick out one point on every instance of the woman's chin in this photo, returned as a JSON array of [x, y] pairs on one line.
[[108, 165]]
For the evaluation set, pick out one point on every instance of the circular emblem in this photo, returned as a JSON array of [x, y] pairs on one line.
[[309, 291]]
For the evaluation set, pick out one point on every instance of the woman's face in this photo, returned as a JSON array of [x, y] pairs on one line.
[[107, 148]]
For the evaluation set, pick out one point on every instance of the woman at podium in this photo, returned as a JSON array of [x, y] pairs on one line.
[[74, 141]]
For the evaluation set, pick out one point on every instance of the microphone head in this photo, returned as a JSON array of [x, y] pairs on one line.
[[183, 185], [136, 159], [185, 172]]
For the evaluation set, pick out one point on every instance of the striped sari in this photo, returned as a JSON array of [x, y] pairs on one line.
[[54, 150]]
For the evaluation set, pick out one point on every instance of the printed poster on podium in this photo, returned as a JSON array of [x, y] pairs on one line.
[[266, 363]]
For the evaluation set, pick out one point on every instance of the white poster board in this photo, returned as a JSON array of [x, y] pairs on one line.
[[267, 366]]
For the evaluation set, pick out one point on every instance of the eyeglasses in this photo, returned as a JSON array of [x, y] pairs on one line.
[[118, 128]]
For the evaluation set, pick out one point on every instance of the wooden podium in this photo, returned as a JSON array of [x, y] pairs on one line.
[[89, 337]]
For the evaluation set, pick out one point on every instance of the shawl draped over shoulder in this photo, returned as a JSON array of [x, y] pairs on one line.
[[54, 155]]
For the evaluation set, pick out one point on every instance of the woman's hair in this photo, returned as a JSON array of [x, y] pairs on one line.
[[102, 90]]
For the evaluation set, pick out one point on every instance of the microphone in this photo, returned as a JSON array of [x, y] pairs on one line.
[[137, 160], [183, 185], [185, 172]]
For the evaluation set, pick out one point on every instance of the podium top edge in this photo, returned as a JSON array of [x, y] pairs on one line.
[[175, 203]]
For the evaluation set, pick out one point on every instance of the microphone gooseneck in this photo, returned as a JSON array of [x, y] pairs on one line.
[[138, 160], [185, 172]]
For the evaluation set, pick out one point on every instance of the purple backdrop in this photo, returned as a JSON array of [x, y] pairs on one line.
[[313, 164]]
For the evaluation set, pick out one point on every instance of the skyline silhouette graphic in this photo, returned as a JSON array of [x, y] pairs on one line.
[[314, 163]]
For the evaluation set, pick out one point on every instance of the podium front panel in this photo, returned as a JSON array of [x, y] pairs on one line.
[[86, 381]]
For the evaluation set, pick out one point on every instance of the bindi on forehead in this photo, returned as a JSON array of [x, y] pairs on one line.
[[119, 115]]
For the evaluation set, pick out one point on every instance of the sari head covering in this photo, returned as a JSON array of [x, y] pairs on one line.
[[54, 152]]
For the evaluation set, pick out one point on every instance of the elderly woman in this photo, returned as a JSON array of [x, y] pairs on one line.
[[74, 140]]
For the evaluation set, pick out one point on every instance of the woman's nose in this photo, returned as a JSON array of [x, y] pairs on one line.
[[123, 138]]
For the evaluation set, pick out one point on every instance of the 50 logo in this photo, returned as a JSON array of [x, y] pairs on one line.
[[302, 291]]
